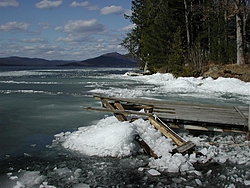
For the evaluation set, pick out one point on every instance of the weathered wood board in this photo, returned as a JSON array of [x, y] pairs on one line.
[[194, 116], [191, 112]]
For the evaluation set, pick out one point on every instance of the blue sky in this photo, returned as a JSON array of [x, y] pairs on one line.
[[63, 29]]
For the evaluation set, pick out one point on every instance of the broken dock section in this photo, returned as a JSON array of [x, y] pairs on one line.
[[167, 115]]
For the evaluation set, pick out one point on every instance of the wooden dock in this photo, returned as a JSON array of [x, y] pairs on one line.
[[235, 118], [166, 115]]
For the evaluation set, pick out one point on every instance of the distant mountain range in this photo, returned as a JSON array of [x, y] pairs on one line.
[[113, 59]]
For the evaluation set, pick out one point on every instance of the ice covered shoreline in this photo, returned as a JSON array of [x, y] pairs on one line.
[[109, 137], [167, 85], [228, 148], [222, 149]]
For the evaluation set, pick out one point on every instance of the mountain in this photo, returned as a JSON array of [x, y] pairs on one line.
[[24, 61], [113, 59], [107, 60]]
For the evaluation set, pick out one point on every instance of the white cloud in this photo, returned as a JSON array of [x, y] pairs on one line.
[[76, 4], [47, 4], [83, 26], [34, 40], [93, 7], [100, 40], [9, 3], [59, 28], [14, 26], [85, 4], [80, 31], [39, 51], [105, 48], [112, 10], [78, 51], [71, 38], [48, 51], [43, 25], [128, 12], [127, 28]]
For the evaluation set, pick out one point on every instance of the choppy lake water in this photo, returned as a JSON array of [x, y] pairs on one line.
[[36, 104]]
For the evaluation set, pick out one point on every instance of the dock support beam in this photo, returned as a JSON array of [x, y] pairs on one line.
[[120, 117], [183, 146], [166, 131]]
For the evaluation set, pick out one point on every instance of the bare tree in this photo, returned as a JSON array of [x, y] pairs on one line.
[[238, 4], [245, 15], [187, 22]]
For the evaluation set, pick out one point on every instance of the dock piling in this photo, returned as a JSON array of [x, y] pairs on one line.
[[120, 117]]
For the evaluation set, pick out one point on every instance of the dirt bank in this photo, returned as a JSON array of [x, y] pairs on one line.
[[229, 71]]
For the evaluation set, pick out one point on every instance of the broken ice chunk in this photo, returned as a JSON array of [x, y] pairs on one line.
[[154, 172]]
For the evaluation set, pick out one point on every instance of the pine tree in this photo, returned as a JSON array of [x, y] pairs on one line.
[[176, 57], [151, 39], [177, 34]]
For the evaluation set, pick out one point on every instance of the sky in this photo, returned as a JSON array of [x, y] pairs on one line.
[[63, 29]]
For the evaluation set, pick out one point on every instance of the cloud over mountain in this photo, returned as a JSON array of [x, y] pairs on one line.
[[79, 31], [83, 26], [75, 29]]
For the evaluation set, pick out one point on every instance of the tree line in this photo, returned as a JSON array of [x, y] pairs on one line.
[[184, 36]]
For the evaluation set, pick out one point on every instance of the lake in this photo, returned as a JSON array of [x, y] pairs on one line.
[[38, 103]]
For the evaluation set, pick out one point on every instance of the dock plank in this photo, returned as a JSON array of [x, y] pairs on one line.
[[193, 112], [226, 116]]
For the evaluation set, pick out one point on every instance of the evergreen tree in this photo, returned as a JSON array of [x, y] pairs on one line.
[[176, 56], [179, 34], [151, 39]]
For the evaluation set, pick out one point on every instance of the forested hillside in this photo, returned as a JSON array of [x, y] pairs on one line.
[[185, 36]]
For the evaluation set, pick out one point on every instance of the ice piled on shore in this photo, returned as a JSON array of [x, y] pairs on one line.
[[109, 137], [167, 85]]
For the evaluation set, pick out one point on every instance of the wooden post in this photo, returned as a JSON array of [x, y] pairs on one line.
[[145, 147], [120, 117], [119, 106], [248, 125]]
